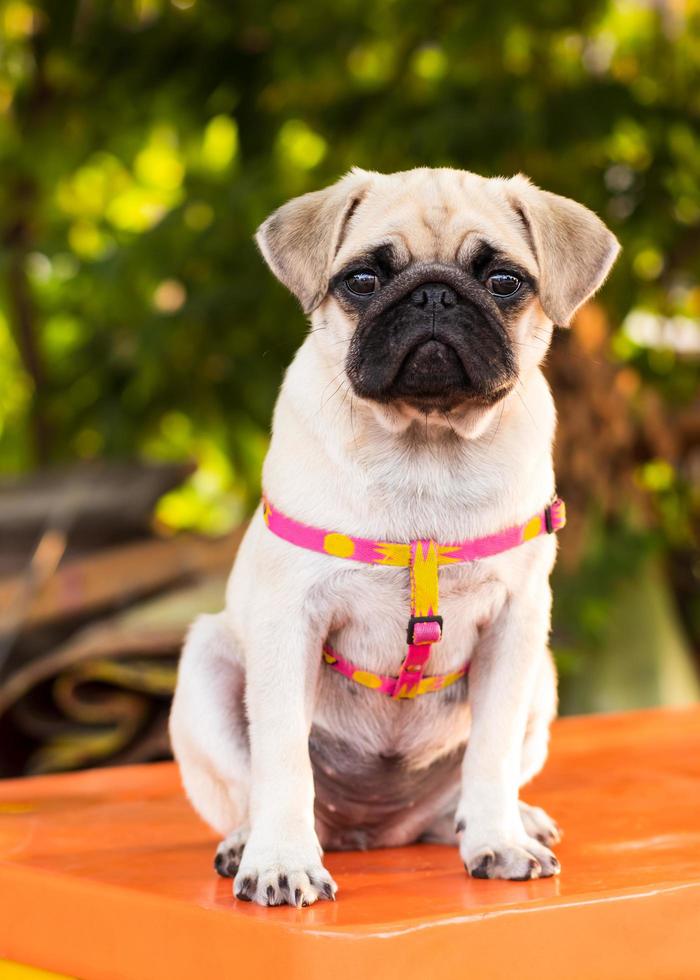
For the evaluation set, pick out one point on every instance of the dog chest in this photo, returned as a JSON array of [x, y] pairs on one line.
[[371, 609]]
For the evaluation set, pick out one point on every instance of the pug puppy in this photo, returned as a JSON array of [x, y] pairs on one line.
[[415, 408]]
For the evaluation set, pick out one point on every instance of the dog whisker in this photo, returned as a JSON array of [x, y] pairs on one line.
[[324, 404], [498, 424], [449, 422], [518, 381], [352, 420], [332, 381], [519, 343], [343, 400], [428, 442]]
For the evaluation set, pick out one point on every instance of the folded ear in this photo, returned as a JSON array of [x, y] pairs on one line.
[[300, 240], [573, 248]]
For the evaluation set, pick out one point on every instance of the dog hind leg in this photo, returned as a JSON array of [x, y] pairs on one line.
[[208, 734]]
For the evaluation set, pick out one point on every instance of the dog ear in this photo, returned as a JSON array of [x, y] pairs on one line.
[[300, 240], [573, 248]]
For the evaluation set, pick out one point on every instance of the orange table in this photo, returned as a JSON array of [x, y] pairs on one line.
[[108, 874]]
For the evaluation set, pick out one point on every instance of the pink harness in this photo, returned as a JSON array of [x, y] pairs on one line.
[[422, 557]]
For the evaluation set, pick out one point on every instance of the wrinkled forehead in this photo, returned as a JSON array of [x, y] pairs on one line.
[[436, 216]]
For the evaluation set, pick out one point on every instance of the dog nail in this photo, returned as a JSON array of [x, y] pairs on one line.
[[297, 896], [483, 868], [225, 865], [246, 889], [460, 826], [270, 894]]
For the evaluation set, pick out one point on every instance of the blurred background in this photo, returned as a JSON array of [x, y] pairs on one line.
[[142, 341]]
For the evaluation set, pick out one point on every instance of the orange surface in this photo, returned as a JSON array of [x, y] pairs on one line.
[[108, 874]]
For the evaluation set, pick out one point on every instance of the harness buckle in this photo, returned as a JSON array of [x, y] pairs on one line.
[[423, 630], [548, 521]]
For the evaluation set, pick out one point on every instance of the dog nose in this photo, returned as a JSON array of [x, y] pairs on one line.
[[433, 293]]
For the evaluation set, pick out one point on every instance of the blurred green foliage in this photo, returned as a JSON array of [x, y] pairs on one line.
[[142, 141]]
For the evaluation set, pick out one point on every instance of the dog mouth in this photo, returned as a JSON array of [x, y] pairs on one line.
[[432, 376], [428, 367]]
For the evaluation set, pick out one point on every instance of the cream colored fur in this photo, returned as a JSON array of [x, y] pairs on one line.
[[390, 473]]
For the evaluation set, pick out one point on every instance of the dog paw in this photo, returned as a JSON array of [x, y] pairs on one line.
[[539, 824], [292, 878], [518, 860], [229, 851]]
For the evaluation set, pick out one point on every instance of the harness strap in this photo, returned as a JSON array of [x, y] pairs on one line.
[[384, 683], [425, 624], [423, 558], [372, 552]]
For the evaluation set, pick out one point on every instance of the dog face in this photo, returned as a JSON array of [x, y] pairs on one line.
[[429, 334], [439, 288]]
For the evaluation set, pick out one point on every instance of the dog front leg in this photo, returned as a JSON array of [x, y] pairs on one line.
[[281, 862], [493, 840]]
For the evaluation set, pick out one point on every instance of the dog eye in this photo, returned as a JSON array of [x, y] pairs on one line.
[[362, 283], [503, 283]]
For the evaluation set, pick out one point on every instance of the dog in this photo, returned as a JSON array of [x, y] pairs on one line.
[[414, 411]]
